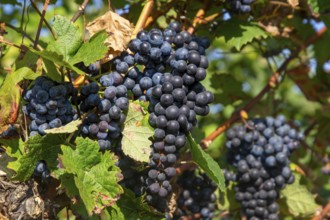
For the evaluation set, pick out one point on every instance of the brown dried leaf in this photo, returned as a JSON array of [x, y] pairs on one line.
[[119, 30], [293, 3]]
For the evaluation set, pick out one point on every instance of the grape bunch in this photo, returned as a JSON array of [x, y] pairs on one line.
[[174, 64], [105, 122], [197, 199], [260, 150], [48, 105], [240, 6]]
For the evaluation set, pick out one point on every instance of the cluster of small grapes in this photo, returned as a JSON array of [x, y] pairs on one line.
[[240, 6], [260, 151], [105, 123], [48, 105], [175, 63], [132, 179], [197, 199]]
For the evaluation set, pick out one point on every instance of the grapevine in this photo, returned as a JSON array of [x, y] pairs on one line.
[[173, 110]]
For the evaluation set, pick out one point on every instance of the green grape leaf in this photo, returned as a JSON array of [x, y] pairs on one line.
[[56, 58], [10, 96], [299, 201], [136, 136], [94, 173], [68, 128], [237, 33], [14, 151], [207, 163], [130, 207], [68, 40], [92, 50], [39, 148]]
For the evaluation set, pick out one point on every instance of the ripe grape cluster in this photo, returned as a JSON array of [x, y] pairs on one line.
[[197, 199], [240, 6], [48, 105], [260, 150], [105, 110], [174, 64]]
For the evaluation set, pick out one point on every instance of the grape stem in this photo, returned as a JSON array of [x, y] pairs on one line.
[[20, 31], [146, 11], [152, 18], [80, 11], [272, 83], [199, 16], [42, 17], [323, 213], [44, 20]]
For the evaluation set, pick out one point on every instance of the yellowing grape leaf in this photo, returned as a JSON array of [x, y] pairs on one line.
[[10, 96], [136, 135]]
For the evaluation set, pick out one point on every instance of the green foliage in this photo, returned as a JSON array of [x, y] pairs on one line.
[[95, 175], [92, 50], [130, 207], [206, 162], [299, 201], [248, 48], [238, 33], [136, 136], [14, 149], [56, 58], [69, 38], [36, 148]]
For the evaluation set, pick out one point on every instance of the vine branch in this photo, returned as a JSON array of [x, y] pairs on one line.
[[324, 212], [199, 16], [46, 22], [80, 11], [146, 11], [42, 17], [272, 83]]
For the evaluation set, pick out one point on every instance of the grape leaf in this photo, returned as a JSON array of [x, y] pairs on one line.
[[135, 142], [68, 40], [95, 174], [207, 163], [56, 58], [39, 148], [4, 160], [299, 201], [92, 50], [129, 207], [14, 149], [120, 28], [237, 33], [68, 128], [9, 160], [10, 95]]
